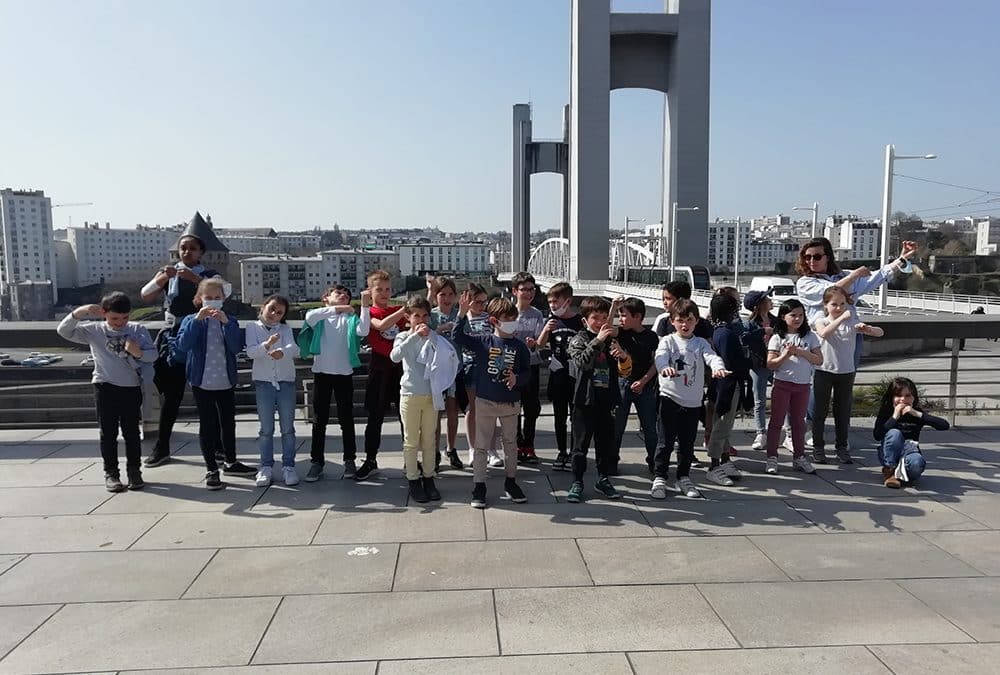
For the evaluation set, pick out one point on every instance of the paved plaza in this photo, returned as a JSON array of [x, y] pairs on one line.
[[829, 573]]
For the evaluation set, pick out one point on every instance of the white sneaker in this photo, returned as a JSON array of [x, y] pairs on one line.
[[809, 441], [687, 487], [472, 456], [290, 475], [771, 465], [659, 490], [730, 470], [719, 477], [759, 441], [495, 460], [264, 476], [787, 443], [803, 464]]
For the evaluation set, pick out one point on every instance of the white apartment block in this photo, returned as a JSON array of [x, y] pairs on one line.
[[26, 250], [251, 244], [853, 237], [987, 236], [780, 220], [305, 278], [289, 242], [444, 258], [118, 256], [755, 254]]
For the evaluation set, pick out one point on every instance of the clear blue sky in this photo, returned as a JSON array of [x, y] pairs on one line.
[[297, 114]]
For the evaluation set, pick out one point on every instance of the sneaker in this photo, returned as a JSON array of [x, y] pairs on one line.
[[238, 468], [290, 475], [437, 461], [730, 470], [135, 481], [315, 472], [759, 441], [561, 461], [659, 490], [719, 477], [472, 456], [808, 441], [495, 460], [368, 468], [479, 496], [264, 475], [417, 493], [787, 443], [431, 490], [212, 481], [455, 460], [158, 457], [530, 456], [803, 464], [819, 455], [687, 487], [113, 483], [350, 468], [575, 494], [604, 486], [771, 464], [514, 491], [844, 456]]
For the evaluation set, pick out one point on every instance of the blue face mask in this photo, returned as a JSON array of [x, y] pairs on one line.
[[212, 304]]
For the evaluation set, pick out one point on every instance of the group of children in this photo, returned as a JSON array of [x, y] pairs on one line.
[[450, 352]]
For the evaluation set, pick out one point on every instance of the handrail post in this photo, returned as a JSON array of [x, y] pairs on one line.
[[953, 379]]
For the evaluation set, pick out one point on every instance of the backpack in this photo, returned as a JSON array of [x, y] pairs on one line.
[[750, 337]]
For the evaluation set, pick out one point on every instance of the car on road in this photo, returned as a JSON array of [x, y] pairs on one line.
[[35, 362], [4, 355], [89, 361], [9, 362]]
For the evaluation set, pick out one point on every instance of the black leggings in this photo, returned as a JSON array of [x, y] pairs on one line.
[[216, 418], [341, 389]]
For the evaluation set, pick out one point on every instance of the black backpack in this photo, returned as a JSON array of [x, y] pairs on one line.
[[753, 351]]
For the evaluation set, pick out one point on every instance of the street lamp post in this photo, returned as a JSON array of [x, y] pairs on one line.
[[625, 263], [815, 211], [673, 235], [736, 257], [890, 158]]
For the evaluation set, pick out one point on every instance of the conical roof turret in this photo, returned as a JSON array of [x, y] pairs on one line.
[[197, 227]]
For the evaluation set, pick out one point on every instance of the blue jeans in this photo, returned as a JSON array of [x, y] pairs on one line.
[[282, 399], [645, 408], [760, 378], [895, 449]]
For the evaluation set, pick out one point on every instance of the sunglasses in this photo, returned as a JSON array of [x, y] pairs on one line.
[[813, 256]]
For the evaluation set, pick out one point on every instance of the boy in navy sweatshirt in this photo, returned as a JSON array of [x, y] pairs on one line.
[[502, 368]]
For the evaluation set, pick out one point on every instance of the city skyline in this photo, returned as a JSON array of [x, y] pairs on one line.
[[397, 114]]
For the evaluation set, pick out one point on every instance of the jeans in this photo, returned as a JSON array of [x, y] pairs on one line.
[[560, 393], [420, 421], [281, 399], [342, 389], [841, 386], [531, 408], [593, 422], [680, 424], [895, 448], [760, 377], [119, 406], [788, 398], [216, 417], [645, 408]]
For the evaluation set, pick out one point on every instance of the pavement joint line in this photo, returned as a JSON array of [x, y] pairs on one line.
[[200, 572], [697, 587], [263, 633], [631, 666], [75, 474], [496, 621], [921, 601], [964, 515], [31, 632], [145, 532], [24, 556], [750, 539], [956, 557], [886, 665], [395, 566]]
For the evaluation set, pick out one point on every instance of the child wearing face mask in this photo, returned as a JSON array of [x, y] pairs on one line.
[[502, 368], [562, 324], [208, 343], [272, 348]]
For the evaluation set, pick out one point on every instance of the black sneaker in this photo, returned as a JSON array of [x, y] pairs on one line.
[[479, 495], [819, 455], [454, 460], [561, 460], [431, 490], [417, 493], [238, 468], [113, 483], [157, 458], [135, 480], [437, 461], [367, 469], [604, 486], [844, 456], [212, 481], [514, 491]]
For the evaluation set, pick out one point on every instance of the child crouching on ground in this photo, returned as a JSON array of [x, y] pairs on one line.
[[897, 427]]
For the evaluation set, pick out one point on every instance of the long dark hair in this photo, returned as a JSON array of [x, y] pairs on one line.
[[723, 309], [831, 263], [790, 305], [281, 300], [895, 388]]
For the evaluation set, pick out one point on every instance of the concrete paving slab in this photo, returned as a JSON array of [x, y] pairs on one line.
[[52, 534], [87, 451], [983, 508], [21, 475], [16, 623], [566, 521], [456, 486], [8, 561], [864, 481], [296, 570], [14, 436], [821, 613], [606, 664], [903, 514], [396, 626], [971, 659], [189, 633], [978, 549], [607, 618], [672, 560], [26, 452], [353, 668], [101, 576], [332, 493], [424, 523], [861, 556], [490, 564], [814, 660], [970, 603], [221, 530], [179, 498], [679, 516], [185, 472], [51, 501]]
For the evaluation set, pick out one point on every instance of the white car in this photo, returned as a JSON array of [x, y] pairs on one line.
[[89, 361]]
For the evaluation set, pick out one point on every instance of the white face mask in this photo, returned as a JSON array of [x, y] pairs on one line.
[[561, 311], [508, 327], [212, 304]]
